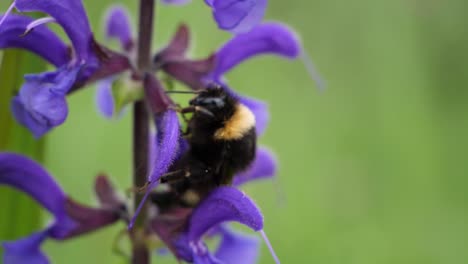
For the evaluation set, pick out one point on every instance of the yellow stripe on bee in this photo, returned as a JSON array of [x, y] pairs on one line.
[[240, 123]]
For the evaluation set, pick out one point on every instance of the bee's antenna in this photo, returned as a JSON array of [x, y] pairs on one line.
[[184, 92]]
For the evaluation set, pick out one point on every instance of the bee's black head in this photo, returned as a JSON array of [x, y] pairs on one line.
[[216, 101]]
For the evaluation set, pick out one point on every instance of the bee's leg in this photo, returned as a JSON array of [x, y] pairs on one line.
[[174, 176], [182, 112], [193, 109], [137, 189]]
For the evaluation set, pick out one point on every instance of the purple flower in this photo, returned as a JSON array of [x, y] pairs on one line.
[[223, 204], [269, 38], [237, 16], [71, 219], [41, 103]]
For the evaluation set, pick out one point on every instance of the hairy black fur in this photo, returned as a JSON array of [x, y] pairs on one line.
[[209, 162]]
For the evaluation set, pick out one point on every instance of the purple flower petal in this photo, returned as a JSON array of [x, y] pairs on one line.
[[168, 228], [118, 26], [237, 248], [190, 72], [167, 137], [41, 103], [40, 41], [206, 258], [177, 48], [104, 98], [89, 219], [268, 38], [105, 64], [167, 140], [238, 16], [26, 175], [71, 15], [26, 250], [176, 2], [223, 204], [29, 177], [105, 192], [264, 166]]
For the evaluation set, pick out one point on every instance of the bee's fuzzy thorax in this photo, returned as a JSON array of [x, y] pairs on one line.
[[241, 122]]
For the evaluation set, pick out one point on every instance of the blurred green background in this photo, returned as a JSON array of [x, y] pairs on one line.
[[372, 170]]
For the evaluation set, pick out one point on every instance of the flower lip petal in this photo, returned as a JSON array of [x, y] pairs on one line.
[[176, 2], [237, 248], [238, 16], [118, 26], [223, 204], [264, 166], [71, 15], [229, 13], [40, 41], [41, 103], [26, 250], [104, 98], [267, 38]]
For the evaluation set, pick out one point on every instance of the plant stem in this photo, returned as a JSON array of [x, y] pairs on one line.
[[145, 34], [140, 254]]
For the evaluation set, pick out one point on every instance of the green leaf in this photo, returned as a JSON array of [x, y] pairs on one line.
[[20, 213]]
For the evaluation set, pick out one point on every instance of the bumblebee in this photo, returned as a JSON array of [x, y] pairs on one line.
[[221, 142]]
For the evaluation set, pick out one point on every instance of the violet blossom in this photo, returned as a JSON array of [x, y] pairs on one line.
[[41, 103], [237, 16]]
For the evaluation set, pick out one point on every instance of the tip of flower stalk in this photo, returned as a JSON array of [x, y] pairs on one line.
[[312, 70], [267, 242]]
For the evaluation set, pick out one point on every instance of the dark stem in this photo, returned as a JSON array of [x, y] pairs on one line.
[[145, 34], [140, 253]]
